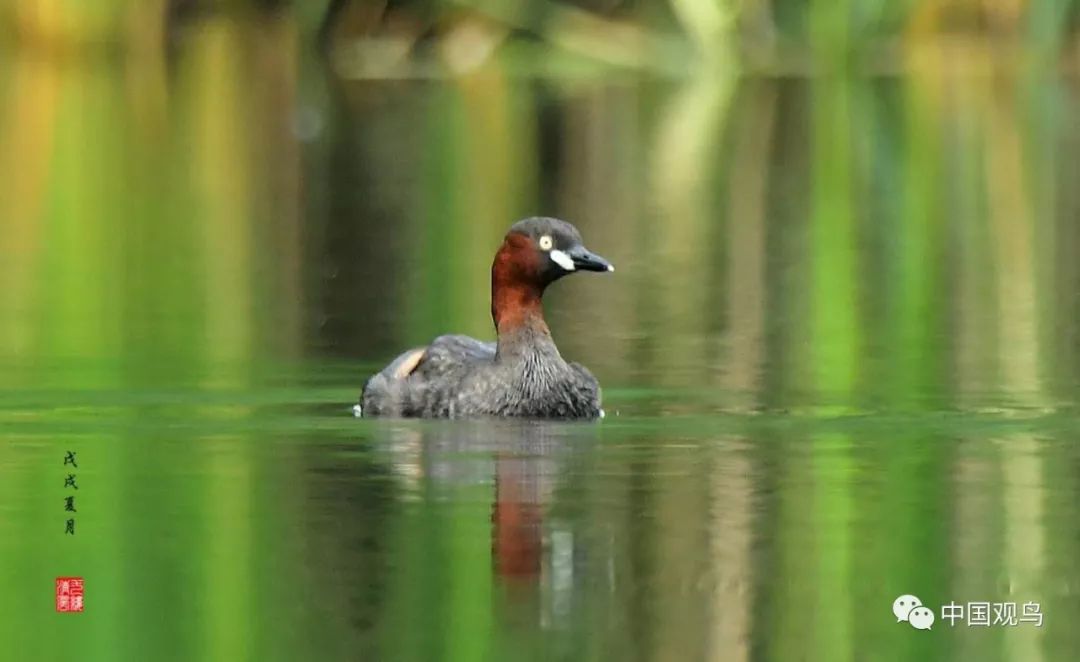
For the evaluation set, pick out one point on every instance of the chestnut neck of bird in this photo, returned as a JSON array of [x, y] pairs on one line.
[[516, 291]]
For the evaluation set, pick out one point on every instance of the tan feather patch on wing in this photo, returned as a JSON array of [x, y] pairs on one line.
[[409, 363]]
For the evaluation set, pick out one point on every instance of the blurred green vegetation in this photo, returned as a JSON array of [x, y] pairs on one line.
[[376, 35]]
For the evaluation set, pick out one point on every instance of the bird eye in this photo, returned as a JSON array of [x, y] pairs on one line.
[[546, 243]]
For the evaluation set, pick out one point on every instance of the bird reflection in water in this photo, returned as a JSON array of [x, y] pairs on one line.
[[525, 461], [522, 489], [497, 478]]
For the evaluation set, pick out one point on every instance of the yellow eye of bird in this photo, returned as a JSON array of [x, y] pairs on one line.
[[546, 243]]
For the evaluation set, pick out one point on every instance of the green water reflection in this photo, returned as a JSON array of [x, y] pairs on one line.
[[839, 356]]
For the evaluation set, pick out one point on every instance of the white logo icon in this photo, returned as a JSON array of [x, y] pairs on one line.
[[921, 618], [903, 605], [910, 608]]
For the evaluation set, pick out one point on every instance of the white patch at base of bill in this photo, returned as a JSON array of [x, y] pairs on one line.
[[562, 259]]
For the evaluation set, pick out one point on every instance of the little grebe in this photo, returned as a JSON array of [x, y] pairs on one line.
[[522, 374]]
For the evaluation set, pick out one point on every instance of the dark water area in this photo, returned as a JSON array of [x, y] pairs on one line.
[[839, 357]]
